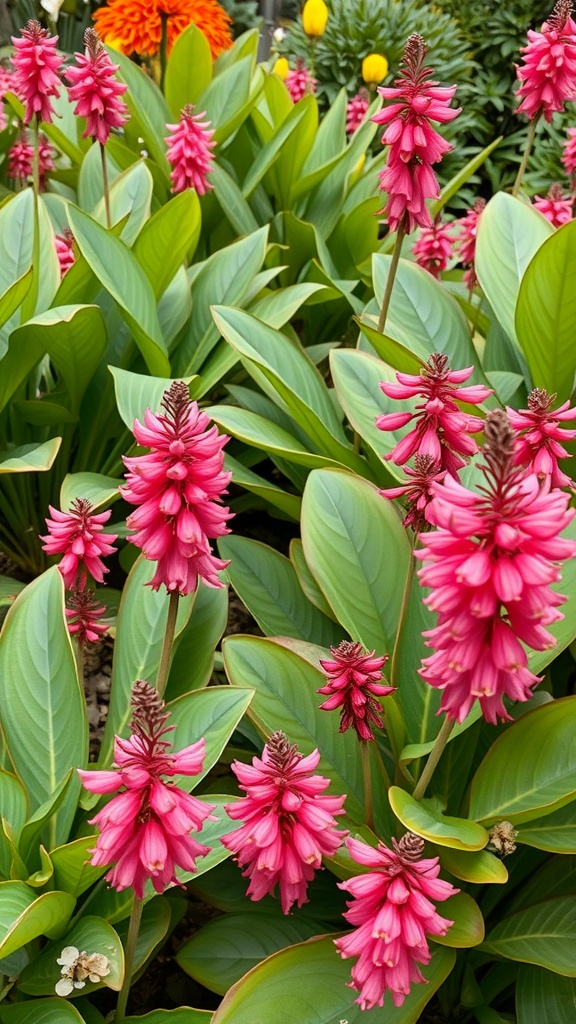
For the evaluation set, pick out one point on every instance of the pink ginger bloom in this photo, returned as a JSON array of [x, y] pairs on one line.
[[6, 80], [82, 614], [300, 82], [569, 153], [556, 207], [189, 152], [36, 67], [64, 245], [441, 429], [433, 250], [548, 75], [178, 487], [489, 565], [79, 536], [356, 110], [393, 914], [414, 144], [417, 492], [466, 242], [540, 439], [354, 685], [21, 156], [288, 825], [145, 830], [96, 91]]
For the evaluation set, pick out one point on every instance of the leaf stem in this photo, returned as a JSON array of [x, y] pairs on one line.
[[367, 775], [392, 274], [133, 929], [526, 156], [105, 184], [164, 665], [435, 755]]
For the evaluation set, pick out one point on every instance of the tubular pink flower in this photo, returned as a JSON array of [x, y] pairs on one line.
[[82, 614], [79, 536], [145, 829], [178, 487], [21, 156], [569, 153], [489, 565], [540, 438], [300, 82], [418, 491], [64, 245], [393, 913], [189, 152], [356, 110], [36, 67], [96, 91], [548, 74], [288, 825], [414, 144], [466, 241], [556, 207], [433, 250], [354, 686], [441, 429]]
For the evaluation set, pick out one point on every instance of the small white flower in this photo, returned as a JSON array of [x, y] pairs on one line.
[[279, 34], [52, 7]]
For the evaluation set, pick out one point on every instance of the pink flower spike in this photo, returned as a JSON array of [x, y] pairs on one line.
[[96, 90], [288, 825], [417, 491], [356, 111], [64, 245], [36, 67], [78, 536], [541, 436], [300, 82], [394, 913], [82, 614], [189, 152], [178, 488], [433, 250], [556, 207], [145, 830], [21, 157], [354, 685], [569, 153], [466, 241], [548, 74], [414, 144]]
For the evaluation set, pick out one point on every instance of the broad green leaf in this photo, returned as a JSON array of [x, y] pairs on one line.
[[288, 503], [169, 236], [73, 871], [509, 233], [513, 784], [306, 579], [210, 835], [468, 927], [423, 819], [230, 96], [481, 867], [16, 249], [189, 70], [309, 982], [266, 435], [140, 634], [556, 832], [16, 364], [148, 108], [359, 554], [9, 589], [98, 489], [565, 629], [183, 1015], [41, 816], [130, 198], [267, 583], [13, 800], [43, 711], [122, 276], [546, 313], [14, 296], [543, 934], [461, 177], [222, 951], [136, 392], [288, 167], [391, 351], [90, 184], [40, 1011], [211, 714], [279, 306], [418, 701], [543, 996], [24, 915], [153, 929], [30, 458], [90, 934], [193, 658], [270, 152], [232, 202]]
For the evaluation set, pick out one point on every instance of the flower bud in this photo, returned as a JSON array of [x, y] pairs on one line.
[[374, 68], [314, 18], [281, 68]]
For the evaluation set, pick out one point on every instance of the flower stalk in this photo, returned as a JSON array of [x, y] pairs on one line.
[[435, 755], [133, 931], [168, 642], [526, 155], [392, 274]]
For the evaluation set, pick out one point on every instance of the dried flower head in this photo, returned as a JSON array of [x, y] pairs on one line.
[[502, 838], [78, 967]]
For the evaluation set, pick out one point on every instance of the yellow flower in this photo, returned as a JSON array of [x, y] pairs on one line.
[[374, 68], [281, 68], [314, 18]]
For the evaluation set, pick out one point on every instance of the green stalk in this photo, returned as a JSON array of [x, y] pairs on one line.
[[133, 929], [106, 186], [163, 48], [164, 666], [390, 282], [367, 775], [435, 755], [526, 156]]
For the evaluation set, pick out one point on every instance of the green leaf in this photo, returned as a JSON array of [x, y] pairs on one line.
[[230, 97], [211, 713], [90, 934], [43, 710], [36, 822], [16, 365], [14, 296], [455, 184], [288, 503], [13, 800], [263, 433], [308, 982], [556, 832], [183, 1015], [425, 820], [512, 784], [147, 106], [279, 306], [270, 152], [169, 236], [509, 234], [130, 197], [232, 202], [392, 352], [546, 313], [24, 915], [73, 871], [122, 276], [542, 996], [193, 658], [17, 234], [136, 392], [40, 1011], [189, 70], [543, 934], [267, 583], [468, 927], [306, 579], [98, 489], [359, 554], [30, 458], [481, 868]]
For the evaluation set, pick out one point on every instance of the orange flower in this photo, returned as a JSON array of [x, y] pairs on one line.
[[135, 26]]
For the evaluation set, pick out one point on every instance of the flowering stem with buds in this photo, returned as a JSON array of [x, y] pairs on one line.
[[164, 666], [391, 275], [130, 949], [435, 755], [106, 186], [526, 156]]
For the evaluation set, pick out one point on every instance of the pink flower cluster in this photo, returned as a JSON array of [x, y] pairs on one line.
[[548, 74], [433, 250], [177, 487], [78, 536], [96, 90], [489, 565], [189, 151], [83, 614], [393, 914], [556, 207], [288, 824], [21, 157], [300, 82], [541, 436], [467, 241], [36, 71], [356, 110], [569, 153], [414, 144], [354, 686], [64, 245], [442, 430], [417, 491], [145, 829]]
